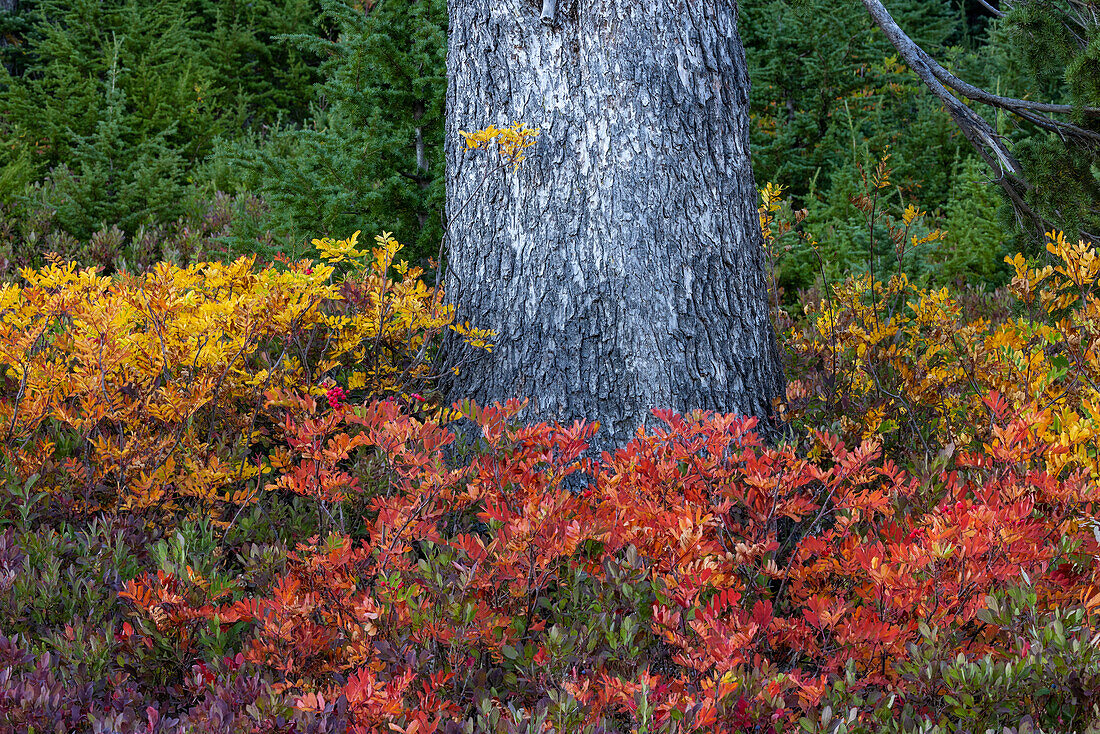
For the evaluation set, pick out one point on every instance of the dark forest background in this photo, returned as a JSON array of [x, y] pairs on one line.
[[133, 131]]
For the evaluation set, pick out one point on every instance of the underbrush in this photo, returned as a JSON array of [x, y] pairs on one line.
[[233, 503]]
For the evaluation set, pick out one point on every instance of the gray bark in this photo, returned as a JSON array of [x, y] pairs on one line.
[[549, 11], [621, 264]]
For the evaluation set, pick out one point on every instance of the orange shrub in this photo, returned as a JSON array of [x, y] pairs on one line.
[[702, 582]]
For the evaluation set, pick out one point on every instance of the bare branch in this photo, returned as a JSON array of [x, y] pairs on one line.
[[988, 143], [549, 11], [1020, 107], [991, 9], [979, 132]]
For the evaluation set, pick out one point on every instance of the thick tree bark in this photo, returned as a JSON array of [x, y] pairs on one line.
[[621, 264]]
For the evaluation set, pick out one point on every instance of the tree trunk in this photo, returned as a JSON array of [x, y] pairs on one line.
[[621, 264]]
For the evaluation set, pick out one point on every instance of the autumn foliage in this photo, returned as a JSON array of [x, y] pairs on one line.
[[301, 542], [152, 393]]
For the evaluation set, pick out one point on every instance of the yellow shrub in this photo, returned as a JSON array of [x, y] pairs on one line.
[[903, 364], [139, 392]]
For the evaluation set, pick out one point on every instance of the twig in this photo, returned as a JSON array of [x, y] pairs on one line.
[[23, 383]]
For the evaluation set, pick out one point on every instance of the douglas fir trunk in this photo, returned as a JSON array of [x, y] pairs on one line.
[[621, 264]]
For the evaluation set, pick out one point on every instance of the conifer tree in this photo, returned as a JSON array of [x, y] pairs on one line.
[[154, 45], [372, 159], [1053, 52], [14, 26], [976, 243], [114, 104], [118, 177], [260, 79]]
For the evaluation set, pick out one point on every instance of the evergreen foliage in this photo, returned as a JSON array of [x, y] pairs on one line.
[[15, 24], [119, 175], [372, 158], [260, 78], [976, 244], [1051, 50], [114, 103]]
